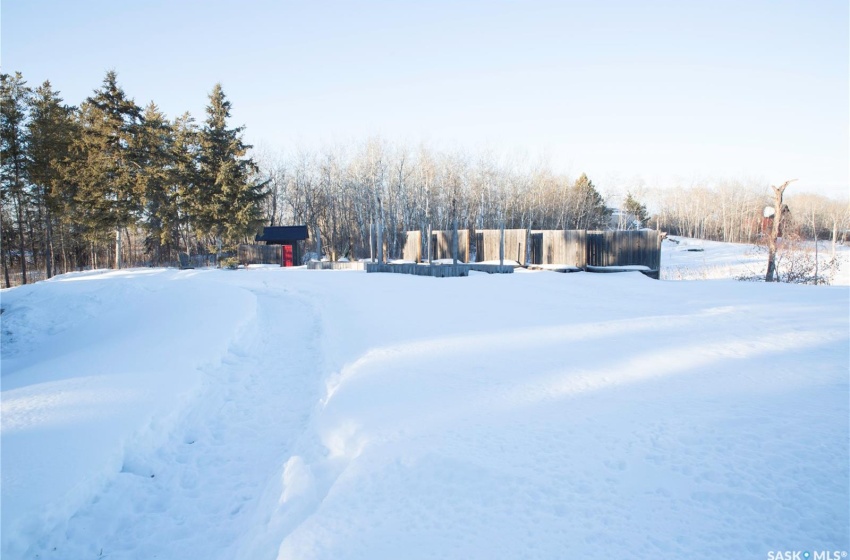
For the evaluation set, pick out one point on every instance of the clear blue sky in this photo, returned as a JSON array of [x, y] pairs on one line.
[[627, 91]]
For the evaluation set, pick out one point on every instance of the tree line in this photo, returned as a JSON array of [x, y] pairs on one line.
[[345, 194], [733, 211], [81, 185], [339, 191]]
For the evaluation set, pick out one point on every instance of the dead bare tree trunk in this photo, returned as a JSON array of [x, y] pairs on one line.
[[774, 233]]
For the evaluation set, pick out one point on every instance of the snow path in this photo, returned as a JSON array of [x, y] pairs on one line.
[[196, 486]]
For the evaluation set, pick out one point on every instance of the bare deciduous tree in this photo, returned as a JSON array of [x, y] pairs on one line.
[[774, 233]]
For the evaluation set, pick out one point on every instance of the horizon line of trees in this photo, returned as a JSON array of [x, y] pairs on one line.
[[75, 178], [82, 186], [339, 191], [733, 212], [343, 195]]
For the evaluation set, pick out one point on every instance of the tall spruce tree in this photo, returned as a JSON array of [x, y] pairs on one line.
[[227, 198], [50, 134], [185, 152], [158, 178], [634, 207], [105, 162], [14, 98]]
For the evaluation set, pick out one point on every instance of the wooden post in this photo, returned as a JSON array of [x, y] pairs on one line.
[[318, 241], [527, 247], [423, 238], [371, 241], [381, 241], [502, 243], [430, 250], [454, 243], [659, 239]]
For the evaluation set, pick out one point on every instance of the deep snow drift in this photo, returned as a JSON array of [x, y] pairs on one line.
[[287, 413]]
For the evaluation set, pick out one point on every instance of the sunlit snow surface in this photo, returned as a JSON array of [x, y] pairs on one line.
[[287, 413]]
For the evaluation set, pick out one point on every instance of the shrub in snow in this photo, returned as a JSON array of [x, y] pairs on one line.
[[798, 262], [310, 257]]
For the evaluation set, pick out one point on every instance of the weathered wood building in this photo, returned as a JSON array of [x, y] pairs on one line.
[[572, 249], [284, 245]]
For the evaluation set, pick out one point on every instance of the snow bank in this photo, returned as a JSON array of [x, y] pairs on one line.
[[92, 364], [385, 416], [657, 431]]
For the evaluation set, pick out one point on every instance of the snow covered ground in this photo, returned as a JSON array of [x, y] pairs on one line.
[[288, 413], [684, 258]]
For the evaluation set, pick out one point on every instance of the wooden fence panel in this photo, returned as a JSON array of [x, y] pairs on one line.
[[488, 240], [536, 252], [624, 248], [258, 254], [441, 244], [571, 248], [566, 247], [439, 270], [413, 246]]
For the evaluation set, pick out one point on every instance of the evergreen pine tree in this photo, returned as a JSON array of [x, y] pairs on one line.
[[228, 198], [50, 134], [105, 161], [184, 197], [14, 97], [591, 210], [634, 207], [158, 176]]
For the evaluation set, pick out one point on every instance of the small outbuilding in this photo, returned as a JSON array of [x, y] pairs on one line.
[[288, 237]]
